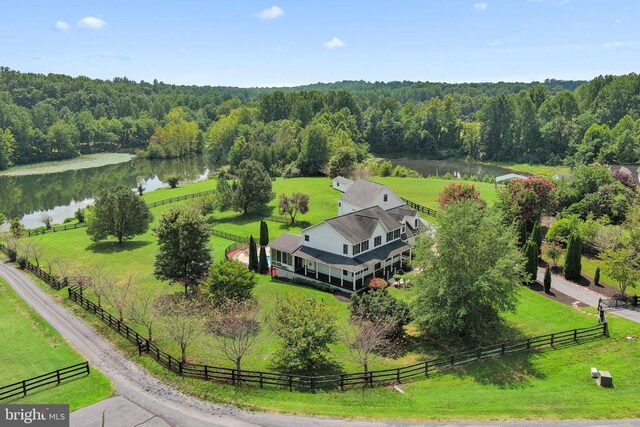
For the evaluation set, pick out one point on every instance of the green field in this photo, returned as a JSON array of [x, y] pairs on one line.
[[31, 347], [534, 169], [547, 384]]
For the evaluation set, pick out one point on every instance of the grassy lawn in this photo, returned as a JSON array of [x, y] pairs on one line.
[[546, 384], [535, 169], [31, 347]]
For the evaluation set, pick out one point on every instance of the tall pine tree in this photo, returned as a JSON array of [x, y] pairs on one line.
[[264, 234], [522, 233], [531, 253], [253, 255], [536, 236], [573, 261]]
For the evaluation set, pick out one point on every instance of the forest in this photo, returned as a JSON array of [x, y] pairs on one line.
[[321, 128]]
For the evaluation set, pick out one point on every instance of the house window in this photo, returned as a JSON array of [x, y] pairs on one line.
[[340, 204], [378, 266], [403, 228], [306, 237], [377, 241], [389, 236], [356, 249], [416, 226], [396, 233], [386, 197], [364, 246], [345, 249], [278, 256], [345, 273]]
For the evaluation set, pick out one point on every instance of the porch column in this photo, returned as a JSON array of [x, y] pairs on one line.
[[305, 267], [329, 273], [316, 270], [355, 276]]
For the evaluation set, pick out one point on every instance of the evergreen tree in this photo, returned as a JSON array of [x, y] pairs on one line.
[[596, 278], [531, 253], [253, 255], [573, 261], [264, 233], [547, 280], [522, 233], [536, 236], [263, 266]]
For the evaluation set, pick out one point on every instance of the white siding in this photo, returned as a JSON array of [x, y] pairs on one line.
[[341, 186], [324, 237], [346, 207]]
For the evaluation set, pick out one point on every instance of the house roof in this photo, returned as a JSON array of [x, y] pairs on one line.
[[364, 193], [401, 211], [360, 225], [509, 177], [356, 263], [342, 180], [287, 242]]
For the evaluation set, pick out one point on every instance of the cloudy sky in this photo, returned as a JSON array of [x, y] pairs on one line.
[[259, 43]]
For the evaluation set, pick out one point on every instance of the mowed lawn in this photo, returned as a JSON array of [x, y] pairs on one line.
[[31, 347], [545, 384]]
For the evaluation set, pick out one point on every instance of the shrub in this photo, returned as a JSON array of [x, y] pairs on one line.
[[67, 220], [531, 253], [230, 280], [385, 168], [547, 280], [79, 215], [456, 192], [562, 229], [405, 172], [11, 254], [22, 262], [377, 283], [173, 181], [573, 262]]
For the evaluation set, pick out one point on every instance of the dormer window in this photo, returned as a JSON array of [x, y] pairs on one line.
[[306, 237], [416, 226], [386, 197]]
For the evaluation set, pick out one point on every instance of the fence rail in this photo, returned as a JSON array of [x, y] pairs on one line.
[[54, 377], [64, 227], [335, 381], [229, 236], [420, 208]]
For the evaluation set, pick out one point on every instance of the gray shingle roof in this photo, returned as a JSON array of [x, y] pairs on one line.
[[342, 180], [360, 225], [363, 192], [352, 264], [287, 242]]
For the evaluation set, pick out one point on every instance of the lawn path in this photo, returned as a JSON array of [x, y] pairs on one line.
[[585, 296]]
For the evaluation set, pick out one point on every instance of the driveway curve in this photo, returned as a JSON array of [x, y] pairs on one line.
[[162, 404]]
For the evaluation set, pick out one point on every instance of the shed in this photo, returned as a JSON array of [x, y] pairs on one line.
[[508, 177], [341, 183]]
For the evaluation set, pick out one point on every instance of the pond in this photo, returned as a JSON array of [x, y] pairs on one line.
[[61, 194], [457, 168]]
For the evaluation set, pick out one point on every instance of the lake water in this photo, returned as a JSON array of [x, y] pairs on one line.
[[61, 194], [456, 168]]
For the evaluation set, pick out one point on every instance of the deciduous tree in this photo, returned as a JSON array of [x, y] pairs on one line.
[[118, 212], [293, 205], [230, 280]]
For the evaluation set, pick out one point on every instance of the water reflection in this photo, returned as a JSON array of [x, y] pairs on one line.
[[61, 194], [457, 168]]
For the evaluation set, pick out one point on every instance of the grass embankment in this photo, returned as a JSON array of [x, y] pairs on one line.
[[81, 162], [32, 347], [548, 384]]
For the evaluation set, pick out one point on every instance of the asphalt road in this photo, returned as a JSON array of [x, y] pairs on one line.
[[143, 400]]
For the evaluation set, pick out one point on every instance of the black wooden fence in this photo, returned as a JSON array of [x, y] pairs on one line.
[[65, 227], [419, 207], [341, 381], [313, 383], [54, 377], [229, 236]]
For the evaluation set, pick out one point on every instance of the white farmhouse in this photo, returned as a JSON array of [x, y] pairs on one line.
[[341, 183], [348, 250]]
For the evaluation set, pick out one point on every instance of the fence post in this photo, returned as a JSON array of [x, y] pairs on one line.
[[426, 368], [503, 349], [479, 353], [528, 343], [605, 329], [341, 382], [206, 372], [313, 384], [452, 356], [261, 380], [180, 364], [24, 388], [398, 375], [575, 335], [552, 338], [58, 376], [88, 368], [290, 383], [233, 376]]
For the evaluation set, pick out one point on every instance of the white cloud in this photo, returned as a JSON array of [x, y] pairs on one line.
[[334, 43], [91, 22], [618, 44], [62, 26], [481, 6], [114, 55], [272, 12]]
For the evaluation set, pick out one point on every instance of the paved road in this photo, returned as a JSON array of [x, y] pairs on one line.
[[585, 296], [143, 400]]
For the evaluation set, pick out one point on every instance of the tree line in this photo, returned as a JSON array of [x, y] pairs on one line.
[[322, 128]]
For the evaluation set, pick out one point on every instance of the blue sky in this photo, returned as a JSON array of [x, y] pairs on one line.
[[276, 43]]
